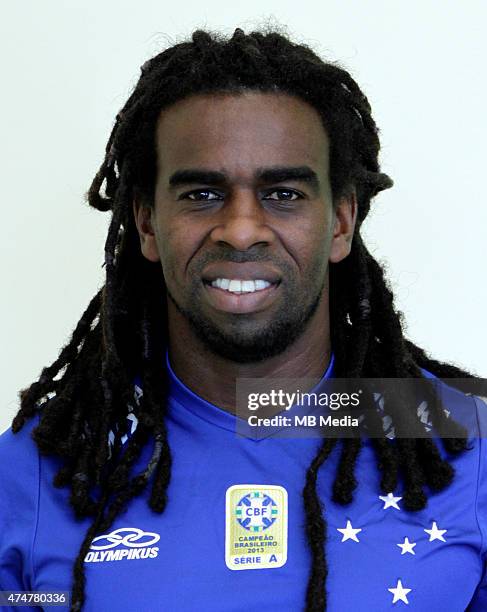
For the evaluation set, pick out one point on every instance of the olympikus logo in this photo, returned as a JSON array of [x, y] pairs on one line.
[[139, 545]]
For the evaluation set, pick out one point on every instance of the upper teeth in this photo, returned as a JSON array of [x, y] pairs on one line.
[[240, 286]]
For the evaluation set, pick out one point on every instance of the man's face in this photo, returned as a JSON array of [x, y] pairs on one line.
[[243, 222]]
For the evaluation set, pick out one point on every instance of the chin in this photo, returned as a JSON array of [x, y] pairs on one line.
[[241, 347]]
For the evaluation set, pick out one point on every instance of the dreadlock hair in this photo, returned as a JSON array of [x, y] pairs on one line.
[[84, 394]]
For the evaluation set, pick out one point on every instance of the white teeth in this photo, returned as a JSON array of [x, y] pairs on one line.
[[240, 286], [235, 285], [248, 285]]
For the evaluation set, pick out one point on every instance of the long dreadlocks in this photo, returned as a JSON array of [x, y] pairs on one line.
[[84, 394]]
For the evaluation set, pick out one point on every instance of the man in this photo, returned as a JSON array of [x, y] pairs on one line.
[[238, 174]]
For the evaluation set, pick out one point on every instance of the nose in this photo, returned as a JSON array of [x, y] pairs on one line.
[[242, 222]]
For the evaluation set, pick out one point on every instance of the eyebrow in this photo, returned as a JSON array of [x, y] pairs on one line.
[[275, 174]]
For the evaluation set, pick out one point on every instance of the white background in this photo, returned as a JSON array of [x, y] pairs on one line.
[[68, 67]]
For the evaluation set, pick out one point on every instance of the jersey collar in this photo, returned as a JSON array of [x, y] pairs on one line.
[[187, 399]]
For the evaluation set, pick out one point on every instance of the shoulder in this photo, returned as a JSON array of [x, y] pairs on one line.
[[19, 467], [19, 503], [18, 449], [470, 410], [467, 409]]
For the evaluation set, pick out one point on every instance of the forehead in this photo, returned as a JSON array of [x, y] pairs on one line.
[[240, 131]]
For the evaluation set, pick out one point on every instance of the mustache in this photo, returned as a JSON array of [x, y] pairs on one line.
[[233, 256]]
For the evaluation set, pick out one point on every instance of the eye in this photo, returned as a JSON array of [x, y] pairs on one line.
[[284, 195], [200, 195], [283, 199]]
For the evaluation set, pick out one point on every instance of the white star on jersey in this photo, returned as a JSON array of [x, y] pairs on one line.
[[399, 593], [349, 533], [390, 501], [407, 547], [435, 533]]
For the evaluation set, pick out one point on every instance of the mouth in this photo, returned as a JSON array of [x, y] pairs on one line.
[[241, 296], [238, 286]]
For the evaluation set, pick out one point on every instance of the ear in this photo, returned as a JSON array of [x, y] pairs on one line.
[[143, 221], [345, 218]]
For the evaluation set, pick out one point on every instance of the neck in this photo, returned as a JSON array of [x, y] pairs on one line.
[[213, 377]]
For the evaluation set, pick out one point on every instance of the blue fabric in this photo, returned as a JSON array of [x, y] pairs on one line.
[[185, 570]]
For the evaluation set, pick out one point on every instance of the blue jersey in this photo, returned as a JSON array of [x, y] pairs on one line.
[[232, 537]]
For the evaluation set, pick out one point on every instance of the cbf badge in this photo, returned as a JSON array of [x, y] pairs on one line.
[[255, 527]]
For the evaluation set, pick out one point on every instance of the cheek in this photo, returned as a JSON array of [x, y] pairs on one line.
[[309, 244], [177, 244]]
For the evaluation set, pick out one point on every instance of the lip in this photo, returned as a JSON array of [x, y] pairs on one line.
[[251, 270], [243, 303]]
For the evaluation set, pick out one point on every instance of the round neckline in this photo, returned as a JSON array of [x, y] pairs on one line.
[[211, 413]]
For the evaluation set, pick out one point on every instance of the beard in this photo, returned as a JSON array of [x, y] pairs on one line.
[[243, 341]]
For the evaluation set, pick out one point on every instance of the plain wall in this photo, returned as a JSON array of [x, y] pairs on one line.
[[67, 68]]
